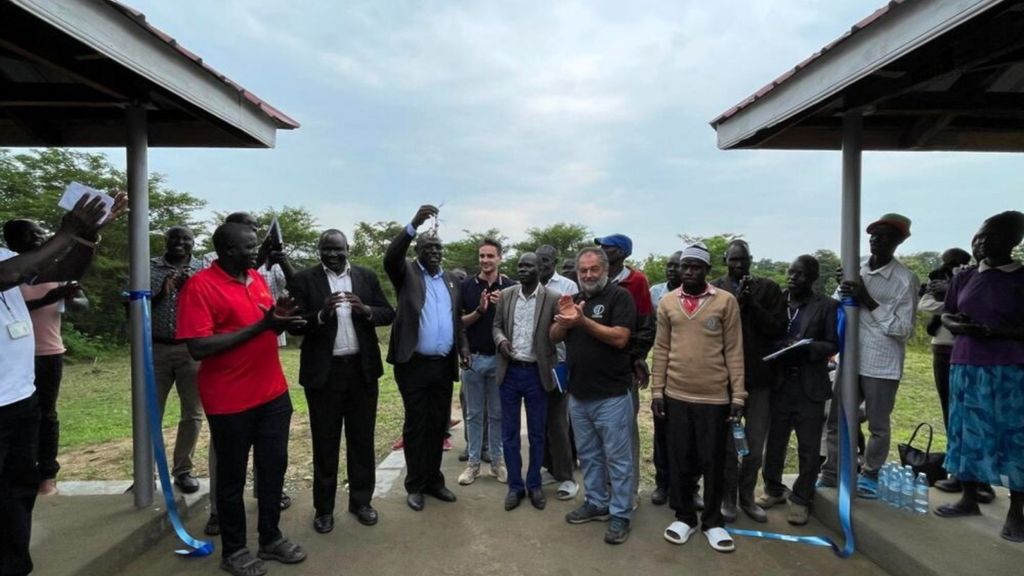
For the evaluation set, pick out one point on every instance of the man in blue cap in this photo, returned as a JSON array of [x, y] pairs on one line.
[[618, 247]]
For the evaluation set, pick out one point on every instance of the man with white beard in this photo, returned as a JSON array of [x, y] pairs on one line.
[[596, 326]]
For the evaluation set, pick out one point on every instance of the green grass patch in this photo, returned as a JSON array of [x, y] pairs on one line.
[[95, 407]]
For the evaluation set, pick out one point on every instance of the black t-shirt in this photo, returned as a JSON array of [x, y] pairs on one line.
[[479, 334], [598, 370]]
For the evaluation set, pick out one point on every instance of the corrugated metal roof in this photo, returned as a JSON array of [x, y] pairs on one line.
[[283, 120], [764, 90]]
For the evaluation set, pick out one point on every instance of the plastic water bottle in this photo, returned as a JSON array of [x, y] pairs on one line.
[[907, 502], [884, 484], [739, 438], [921, 494]]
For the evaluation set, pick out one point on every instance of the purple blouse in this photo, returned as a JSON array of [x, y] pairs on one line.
[[994, 298]]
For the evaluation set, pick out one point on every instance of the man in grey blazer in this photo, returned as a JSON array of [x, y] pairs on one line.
[[526, 360], [428, 343]]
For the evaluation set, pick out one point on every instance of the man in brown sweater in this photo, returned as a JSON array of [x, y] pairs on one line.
[[697, 384]]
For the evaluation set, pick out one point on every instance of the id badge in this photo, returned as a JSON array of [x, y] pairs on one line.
[[18, 329]]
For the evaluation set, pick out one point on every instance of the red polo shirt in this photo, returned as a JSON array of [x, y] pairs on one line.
[[212, 302]]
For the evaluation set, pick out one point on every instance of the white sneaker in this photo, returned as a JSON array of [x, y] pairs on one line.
[[567, 490], [469, 475], [499, 471]]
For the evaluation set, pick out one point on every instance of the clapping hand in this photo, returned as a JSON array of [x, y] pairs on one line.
[[283, 315], [569, 314]]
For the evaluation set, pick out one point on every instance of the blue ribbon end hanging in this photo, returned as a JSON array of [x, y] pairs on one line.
[[197, 548]]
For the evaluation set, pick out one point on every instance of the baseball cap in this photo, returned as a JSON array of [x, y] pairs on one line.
[[620, 241]]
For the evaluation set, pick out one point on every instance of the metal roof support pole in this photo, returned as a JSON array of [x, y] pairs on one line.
[[138, 243], [853, 128]]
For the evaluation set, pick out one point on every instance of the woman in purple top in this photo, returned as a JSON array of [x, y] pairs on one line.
[[985, 311]]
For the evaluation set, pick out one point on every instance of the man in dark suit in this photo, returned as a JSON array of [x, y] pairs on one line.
[[428, 343], [763, 317], [798, 400], [342, 305]]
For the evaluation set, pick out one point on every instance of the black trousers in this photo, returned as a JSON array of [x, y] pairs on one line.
[[264, 429], [425, 383], [940, 370], [662, 468], [350, 402], [19, 483], [793, 410], [696, 445], [49, 371]]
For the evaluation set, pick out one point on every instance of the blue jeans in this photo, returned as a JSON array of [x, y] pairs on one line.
[[522, 385], [481, 386], [603, 430]]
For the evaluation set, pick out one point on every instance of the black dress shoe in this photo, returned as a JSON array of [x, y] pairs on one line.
[[512, 499], [443, 494], [985, 494], [729, 511], [212, 526], [755, 512], [323, 523], [186, 482], [537, 499], [366, 515], [951, 485], [659, 497], [415, 501]]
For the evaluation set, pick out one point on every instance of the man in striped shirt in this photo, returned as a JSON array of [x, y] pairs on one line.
[[887, 296]]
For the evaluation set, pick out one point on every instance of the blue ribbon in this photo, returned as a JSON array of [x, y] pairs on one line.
[[198, 547], [845, 479]]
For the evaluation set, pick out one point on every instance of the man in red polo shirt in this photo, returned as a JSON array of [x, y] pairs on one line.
[[230, 322]]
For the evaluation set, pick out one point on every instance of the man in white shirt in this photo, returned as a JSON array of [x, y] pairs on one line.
[[340, 366], [887, 297], [64, 255], [559, 450]]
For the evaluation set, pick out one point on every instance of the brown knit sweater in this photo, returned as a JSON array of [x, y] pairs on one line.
[[699, 358]]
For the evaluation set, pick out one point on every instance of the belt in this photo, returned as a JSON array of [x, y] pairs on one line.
[[429, 358], [346, 359], [168, 341], [522, 364]]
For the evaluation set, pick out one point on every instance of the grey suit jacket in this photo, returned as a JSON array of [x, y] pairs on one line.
[[543, 315]]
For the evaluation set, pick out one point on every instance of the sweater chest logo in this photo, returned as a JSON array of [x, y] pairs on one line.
[[712, 324], [598, 311]]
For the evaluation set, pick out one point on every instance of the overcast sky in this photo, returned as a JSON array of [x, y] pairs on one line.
[[519, 114]]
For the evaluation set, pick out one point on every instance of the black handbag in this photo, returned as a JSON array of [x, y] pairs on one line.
[[923, 461]]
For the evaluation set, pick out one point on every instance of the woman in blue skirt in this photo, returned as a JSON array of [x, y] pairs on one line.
[[985, 311]]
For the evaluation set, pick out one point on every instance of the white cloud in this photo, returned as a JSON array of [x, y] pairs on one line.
[[520, 114]]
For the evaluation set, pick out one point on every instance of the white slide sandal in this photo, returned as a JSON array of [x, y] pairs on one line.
[[679, 532], [720, 540]]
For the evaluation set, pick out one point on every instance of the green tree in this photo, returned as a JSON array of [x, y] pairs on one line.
[[299, 229], [567, 238], [653, 266], [31, 184]]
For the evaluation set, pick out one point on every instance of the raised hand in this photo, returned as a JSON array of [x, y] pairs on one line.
[[423, 214]]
